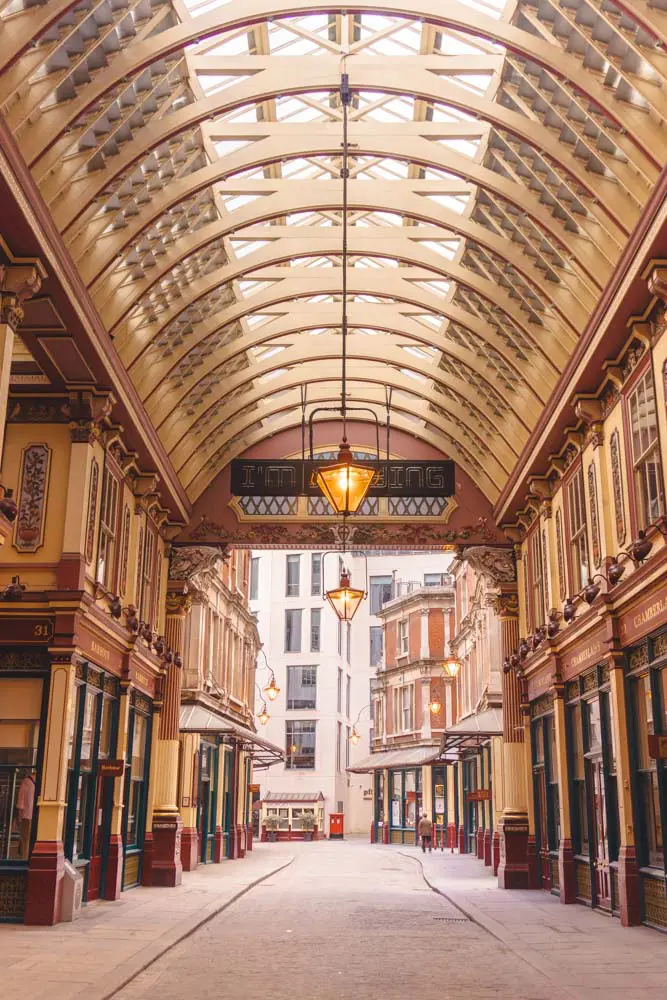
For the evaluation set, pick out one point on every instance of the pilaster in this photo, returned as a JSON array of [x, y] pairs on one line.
[[566, 872], [628, 870]]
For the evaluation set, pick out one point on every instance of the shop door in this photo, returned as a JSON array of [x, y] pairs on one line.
[[542, 821], [599, 842], [99, 841]]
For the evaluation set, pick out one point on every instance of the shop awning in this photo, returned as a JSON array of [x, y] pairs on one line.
[[474, 730], [275, 798], [408, 757], [198, 719]]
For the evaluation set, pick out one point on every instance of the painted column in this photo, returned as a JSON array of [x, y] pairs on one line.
[[513, 868], [497, 801], [45, 870], [451, 808], [628, 871], [114, 870], [387, 806], [461, 804], [188, 793], [481, 815], [147, 861]]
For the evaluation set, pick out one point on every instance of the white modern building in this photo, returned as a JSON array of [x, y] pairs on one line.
[[324, 670]]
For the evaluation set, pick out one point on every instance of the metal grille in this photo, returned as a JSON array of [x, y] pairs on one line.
[[555, 874], [583, 873], [416, 506], [615, 897], [268, 506], [319, 507], [655, 901], [13, 887], [131, 870]]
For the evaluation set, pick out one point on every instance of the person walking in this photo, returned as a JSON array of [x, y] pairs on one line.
[[426, 833]]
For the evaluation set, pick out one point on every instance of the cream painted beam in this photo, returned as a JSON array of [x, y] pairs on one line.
[[363, 281], [68, 197], [569, 298], [393, 319], [19, 31], [151, 368], [173, 425], [95, 251], [168, 395], [457, 16], [400, 420]]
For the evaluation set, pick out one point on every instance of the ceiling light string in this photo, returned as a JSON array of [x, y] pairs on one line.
[[346, 100]]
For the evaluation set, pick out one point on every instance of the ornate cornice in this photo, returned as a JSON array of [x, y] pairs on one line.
[[19, 281], [496, 565]]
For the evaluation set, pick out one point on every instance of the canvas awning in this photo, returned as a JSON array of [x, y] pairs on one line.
[[474, 730], [407, 757], [198, 719], [284, 798]]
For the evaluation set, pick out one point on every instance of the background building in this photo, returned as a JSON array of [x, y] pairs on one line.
[[325, 671]]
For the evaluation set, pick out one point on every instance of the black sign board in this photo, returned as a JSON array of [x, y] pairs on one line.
[[278, 478]]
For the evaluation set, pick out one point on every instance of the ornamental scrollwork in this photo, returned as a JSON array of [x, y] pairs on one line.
[[595, 523], [35, 469], [559, 551], [92, 510], [617, 484]]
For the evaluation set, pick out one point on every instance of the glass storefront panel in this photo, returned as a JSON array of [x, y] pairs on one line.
[[20, 710]]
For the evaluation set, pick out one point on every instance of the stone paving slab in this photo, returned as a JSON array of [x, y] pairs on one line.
[[111, 943]]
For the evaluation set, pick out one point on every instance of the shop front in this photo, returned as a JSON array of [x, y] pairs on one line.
[[135, 798], [545, 790], [470, 743], [292, 816]]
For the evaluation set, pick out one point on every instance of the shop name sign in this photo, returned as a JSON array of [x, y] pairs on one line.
[[111, 768], [643, 619], [480, 795], [657, 747], [265, 478]]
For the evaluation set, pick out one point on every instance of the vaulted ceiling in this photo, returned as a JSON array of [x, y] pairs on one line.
[[190, 155]]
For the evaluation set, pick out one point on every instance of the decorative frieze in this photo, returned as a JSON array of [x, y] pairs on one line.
[[593, 509], [92, 510], [617, 485], [33, 491]]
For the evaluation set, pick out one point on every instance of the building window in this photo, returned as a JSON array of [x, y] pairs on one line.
[[20, 710], [339, 698], [293, 567], [348, 692], [254, 578], [348, 633], [404, 708], [300, 745], [378, 718], [538, 609], [347, 745], [380, 592], [316, 574], [403, 637], [377, 645], [436, 579], [106, 553], [293, 631], [301, 687], [147, 577], [340, 637], [579, 805], [339, 741], [578, 539], [315, 629], [649, 489]]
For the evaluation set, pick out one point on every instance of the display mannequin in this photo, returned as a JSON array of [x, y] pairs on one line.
[[25, 804]]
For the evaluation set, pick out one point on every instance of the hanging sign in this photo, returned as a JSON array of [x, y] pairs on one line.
[[657, 747], [111, 768], [480, 795], [297, 478]]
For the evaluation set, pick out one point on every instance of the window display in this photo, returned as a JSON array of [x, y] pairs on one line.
[[20, 708]]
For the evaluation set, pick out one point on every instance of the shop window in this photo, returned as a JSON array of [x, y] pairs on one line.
[[300, 745], [316, 574], [301, 687], [377, 644], [292, 575], [20, 710], [298, 815], [648, 779], [579, 806], [83, 738], [380, 592], [315, 629], [293, 631], [649, 489], [137, 754], [254, 578], [282, 816], [578, 538]]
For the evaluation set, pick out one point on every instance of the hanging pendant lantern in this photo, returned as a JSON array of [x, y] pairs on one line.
[[345, 599], [451, 666], [355, 737], [346, 483], [272, 690], [435, 706], [263, 715]]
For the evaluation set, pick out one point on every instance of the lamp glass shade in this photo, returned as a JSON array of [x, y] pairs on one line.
[[345, 599], [264, 716], [435, 706], [346, 483], [452, 666], [355, 737], [272, 690]]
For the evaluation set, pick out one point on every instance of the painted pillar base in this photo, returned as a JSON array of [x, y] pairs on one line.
[[566, 873], [487, 848], [167, 865], [218, 845], [240, 833], [147, 859], [495, 851], [113, 880], [533, 863], [513, 870], [385, 834], [372, 837], [479, 844], [45, 873], [451, 836], [628, 887], [462, 840], [189, 848], [248, 838]]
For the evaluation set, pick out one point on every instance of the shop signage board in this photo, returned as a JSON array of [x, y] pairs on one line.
[[98, 651], [650, 614], [657, 747], [16, 631], [586, 653], [271, 478], [111, 768], [480, 795]]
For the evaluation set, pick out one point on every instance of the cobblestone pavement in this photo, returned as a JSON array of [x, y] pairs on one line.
[[351, 921]]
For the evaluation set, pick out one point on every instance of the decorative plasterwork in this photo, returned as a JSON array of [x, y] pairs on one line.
[[33, 493], [496, 565]]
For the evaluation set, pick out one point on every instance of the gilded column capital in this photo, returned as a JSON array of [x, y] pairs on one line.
[[18, 283], [506, 605], [87, 413], [178, 604]]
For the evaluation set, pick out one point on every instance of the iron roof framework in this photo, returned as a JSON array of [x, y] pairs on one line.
[[190, 155]]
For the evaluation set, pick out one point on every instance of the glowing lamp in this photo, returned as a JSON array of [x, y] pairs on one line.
[[264, 716], [345, 599], [451, 666], [435, 706], [355, 737], [346, 483], [272, 690]]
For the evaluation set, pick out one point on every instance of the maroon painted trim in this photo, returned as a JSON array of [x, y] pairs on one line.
[[558, 405]]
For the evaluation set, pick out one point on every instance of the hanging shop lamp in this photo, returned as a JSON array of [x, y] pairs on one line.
[[355, 737], [264, 715], [345, 599], [435, 706], [451, 666], [272, 690], [346, 482]]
